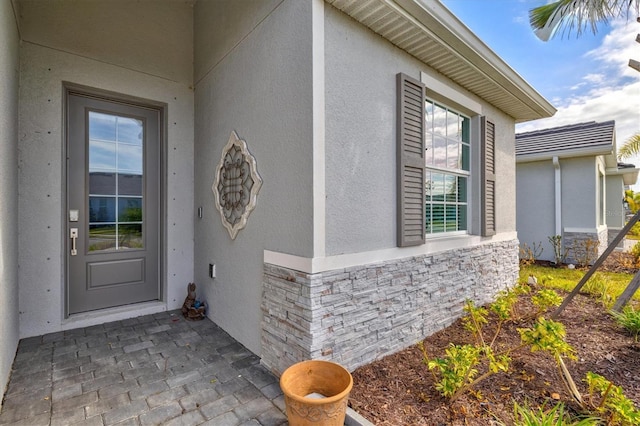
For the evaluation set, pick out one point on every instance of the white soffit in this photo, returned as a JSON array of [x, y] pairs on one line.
[[430, 32]]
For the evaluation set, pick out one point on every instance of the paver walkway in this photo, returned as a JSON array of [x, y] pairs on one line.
[[150, 370]]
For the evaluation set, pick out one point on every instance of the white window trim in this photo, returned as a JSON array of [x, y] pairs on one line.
[[437, 88], [445, 95]]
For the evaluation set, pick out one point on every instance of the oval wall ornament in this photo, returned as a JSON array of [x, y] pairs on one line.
[[236, 185]]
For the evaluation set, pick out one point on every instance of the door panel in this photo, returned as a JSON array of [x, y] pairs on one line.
[[113, 182]]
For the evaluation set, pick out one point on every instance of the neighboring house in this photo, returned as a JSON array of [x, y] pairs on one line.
[[334, 260], [569, 183]]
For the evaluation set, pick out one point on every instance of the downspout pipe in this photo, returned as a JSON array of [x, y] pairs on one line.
[[558, 195]]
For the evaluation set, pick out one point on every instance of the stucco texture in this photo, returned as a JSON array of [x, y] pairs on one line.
[[536, 205], [9, 67], [360, 110], [261, 89], [42, 188]]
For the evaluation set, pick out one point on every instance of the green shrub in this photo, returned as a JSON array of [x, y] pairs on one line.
[[635, 230], [629, 319], [599, 287], [556, 416], [614, 405], [635, 250]]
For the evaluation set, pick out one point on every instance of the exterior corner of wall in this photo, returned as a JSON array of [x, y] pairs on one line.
[[9, 237]]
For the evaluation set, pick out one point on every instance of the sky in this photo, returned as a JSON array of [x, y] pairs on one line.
[[586, 78]]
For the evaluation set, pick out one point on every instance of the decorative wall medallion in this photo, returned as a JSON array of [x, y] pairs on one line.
[[236, 185]]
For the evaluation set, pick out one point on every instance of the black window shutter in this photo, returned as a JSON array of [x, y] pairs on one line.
[[488, 177], [410, 162]]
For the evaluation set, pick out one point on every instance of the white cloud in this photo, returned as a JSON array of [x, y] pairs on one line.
[[618, 47], [609, 90]]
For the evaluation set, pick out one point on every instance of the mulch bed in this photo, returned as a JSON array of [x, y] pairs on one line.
[[399, 389]]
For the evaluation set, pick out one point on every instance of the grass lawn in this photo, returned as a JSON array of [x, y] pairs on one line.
[[605, 285]]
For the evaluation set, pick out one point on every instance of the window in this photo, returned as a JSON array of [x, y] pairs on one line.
[[434, 165], [447, 157]]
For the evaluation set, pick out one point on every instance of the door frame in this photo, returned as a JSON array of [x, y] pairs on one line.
[[161, 107]]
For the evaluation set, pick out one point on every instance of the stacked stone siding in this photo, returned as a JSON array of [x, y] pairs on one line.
[[575, 241], [358, 314]]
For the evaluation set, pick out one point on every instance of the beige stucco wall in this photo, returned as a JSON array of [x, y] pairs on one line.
[[9, 66], [360, 110], [255, 80], [84, 57]]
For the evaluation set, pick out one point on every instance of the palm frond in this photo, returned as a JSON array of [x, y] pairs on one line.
[[567, 15], [630, 148]]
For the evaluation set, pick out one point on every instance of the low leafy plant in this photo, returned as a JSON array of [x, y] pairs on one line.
[[460, 367], [635, 250], [613, 406], [629, 318], [546, 299], [600, 288], [555, 416], [547, 335]]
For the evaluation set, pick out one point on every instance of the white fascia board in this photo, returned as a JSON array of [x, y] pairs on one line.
[[629, 176], [585, 152], [443, 25]]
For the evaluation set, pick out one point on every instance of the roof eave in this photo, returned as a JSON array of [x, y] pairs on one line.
[[629, 176], [587, 152], [437, 24]]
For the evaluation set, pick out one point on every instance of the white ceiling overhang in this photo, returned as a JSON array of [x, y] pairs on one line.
[[629, 175], [430, 32]]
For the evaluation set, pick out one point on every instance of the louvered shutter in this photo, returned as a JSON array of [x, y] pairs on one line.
[[410, 162], [488, 177]]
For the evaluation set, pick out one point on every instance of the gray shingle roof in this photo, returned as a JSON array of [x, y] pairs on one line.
[[576, 139]]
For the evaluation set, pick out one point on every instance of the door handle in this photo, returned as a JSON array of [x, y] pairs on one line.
[[73, 234]]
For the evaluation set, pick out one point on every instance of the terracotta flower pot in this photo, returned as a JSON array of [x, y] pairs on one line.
[[316, 393]]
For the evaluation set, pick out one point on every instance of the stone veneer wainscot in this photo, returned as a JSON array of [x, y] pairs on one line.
[[358, 314]]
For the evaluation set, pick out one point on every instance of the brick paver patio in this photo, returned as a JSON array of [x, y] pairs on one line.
[[155, 369]]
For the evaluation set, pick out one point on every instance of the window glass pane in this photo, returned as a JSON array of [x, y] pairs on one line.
[[428, 116], [453, 157], [452, 126], [437, 224], [462, 217], [102, 237], [439, 120], [102, 126], [101, 183], [129, 209], [130, 158], [130, 130], [129, 184], [451, 219], [465, 157], [439, 151], [462, 189], [116, 182], [102, 156], [130, 236], [451, 188], [447, 136], [437, 187], [102, 209], [465, 125]]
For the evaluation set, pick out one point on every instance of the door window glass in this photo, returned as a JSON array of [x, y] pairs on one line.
[[116, 177]]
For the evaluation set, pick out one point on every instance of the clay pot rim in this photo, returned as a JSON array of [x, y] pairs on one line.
[[317, 401]]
